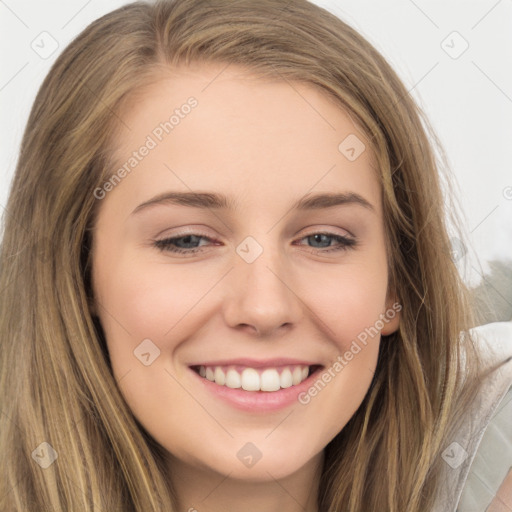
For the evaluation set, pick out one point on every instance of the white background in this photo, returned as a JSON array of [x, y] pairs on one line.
[[468, 99]]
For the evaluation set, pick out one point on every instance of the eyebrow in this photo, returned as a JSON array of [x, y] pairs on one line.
[[209, 200]]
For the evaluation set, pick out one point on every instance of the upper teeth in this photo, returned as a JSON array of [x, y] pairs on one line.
[[250, 379]]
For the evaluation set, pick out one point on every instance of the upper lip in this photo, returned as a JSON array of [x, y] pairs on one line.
[[257, 363]]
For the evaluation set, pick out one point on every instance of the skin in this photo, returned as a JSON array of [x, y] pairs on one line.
[[265, 144]]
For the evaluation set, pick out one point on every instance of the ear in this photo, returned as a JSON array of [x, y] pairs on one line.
[[391, 315]]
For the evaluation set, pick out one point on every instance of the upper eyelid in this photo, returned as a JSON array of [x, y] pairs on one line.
[[299, 236], [343, 239], [311, 229]]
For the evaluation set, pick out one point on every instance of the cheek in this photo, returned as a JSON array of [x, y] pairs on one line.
[[170, 304], [143, 301], [348, 300], [146, 300], [349, 305]]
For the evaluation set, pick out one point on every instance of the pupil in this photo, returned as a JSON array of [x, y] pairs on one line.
[[318, 238], [187, 239]]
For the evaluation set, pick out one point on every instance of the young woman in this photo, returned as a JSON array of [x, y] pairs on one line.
[[226, 277]]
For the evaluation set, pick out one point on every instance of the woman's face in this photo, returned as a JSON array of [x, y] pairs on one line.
[[218, 274]]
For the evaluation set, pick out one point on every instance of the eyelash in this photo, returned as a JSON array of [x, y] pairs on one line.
[[165, 245]]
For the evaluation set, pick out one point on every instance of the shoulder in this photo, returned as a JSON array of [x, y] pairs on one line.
[[494, 340], [486, 481]]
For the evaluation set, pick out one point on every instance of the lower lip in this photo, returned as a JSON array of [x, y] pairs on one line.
[[258, 401]]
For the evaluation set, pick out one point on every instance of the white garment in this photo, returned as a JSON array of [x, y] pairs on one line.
[[480, 457]]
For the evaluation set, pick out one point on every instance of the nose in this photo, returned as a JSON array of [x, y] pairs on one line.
[[262, 297]]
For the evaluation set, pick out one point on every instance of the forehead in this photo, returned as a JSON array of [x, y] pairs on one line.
[[242, 134]]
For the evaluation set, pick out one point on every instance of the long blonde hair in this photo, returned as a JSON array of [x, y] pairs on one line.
[[56, 380]]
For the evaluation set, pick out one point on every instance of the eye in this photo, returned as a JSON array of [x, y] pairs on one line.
[[324, 240], [190, 243]]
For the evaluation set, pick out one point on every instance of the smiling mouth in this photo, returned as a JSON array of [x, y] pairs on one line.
[[256, 379]]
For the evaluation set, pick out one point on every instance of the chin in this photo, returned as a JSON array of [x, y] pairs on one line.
[[259, 462]]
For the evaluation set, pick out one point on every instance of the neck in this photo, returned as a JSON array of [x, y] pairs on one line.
[[204, 490]]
